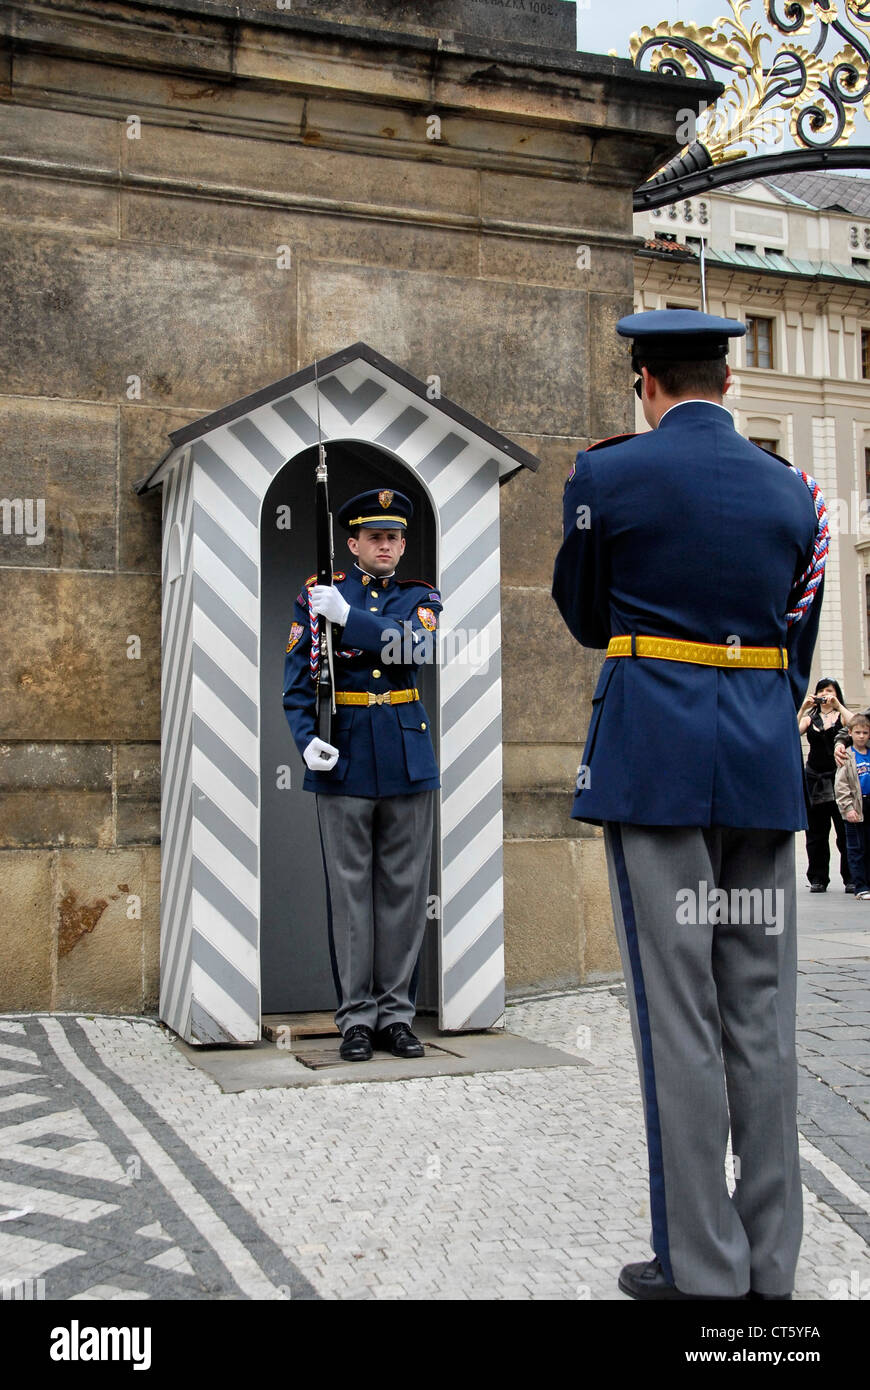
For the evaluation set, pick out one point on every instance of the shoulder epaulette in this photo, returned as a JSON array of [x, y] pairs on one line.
[[773, 455], [612, 439]]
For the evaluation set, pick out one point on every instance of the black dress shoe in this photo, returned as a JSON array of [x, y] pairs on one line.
[[398, 1039], [647, 1281], [356, 1045], [848, 887], [818, 887], [770, 1297]]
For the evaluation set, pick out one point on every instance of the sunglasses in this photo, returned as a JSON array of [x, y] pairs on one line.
[[638, 388]]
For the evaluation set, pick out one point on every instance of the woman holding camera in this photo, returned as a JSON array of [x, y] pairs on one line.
[[821, 717]]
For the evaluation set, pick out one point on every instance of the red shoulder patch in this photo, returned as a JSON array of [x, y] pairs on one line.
[[612, 439]]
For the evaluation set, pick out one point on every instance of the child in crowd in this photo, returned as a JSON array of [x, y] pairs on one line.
[[852, 790]]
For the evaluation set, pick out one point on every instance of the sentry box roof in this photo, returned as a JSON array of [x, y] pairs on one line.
[[353, 381]]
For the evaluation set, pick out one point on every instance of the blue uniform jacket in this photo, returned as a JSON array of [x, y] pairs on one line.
[[689, 531], [384, 750]]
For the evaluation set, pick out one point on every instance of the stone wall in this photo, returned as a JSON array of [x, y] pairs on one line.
[[154, 161]]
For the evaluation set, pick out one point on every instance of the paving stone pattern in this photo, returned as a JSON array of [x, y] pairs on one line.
[[126, 1173]]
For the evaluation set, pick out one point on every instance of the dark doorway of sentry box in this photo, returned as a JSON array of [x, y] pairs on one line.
[[294, 950]]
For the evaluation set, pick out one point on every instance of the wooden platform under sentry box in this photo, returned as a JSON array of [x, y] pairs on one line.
[[293, 1026]]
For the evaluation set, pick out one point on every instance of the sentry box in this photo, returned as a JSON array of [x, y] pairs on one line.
[[243, 902]]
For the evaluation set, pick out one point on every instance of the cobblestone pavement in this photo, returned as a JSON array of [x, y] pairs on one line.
[[126, 1173]]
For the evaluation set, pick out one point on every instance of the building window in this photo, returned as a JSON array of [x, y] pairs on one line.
[[694, 242], [860, 260], [759, 342], [867, 604], [771, 445], [744, 246], [867, 472], [865, 353]]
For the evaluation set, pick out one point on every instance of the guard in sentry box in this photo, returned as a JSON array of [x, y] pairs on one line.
[[375, 784], [696, 560]]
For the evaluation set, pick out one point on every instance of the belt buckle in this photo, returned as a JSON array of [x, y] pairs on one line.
[[375, 699]]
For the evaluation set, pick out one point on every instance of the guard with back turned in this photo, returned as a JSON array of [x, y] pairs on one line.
[[375, 782], [696, 560]]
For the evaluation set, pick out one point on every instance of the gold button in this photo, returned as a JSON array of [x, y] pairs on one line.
[[373, 609], [376, 674], [422, 726]]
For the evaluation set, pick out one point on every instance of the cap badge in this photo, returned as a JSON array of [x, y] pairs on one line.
[[386, 499]]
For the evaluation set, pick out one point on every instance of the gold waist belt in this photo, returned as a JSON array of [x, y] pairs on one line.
[[700, 653], [367, 697]]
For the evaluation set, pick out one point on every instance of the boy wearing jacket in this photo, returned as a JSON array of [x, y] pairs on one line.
[[852, 791]]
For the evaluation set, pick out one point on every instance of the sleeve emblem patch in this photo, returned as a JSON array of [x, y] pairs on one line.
[[295, 633], [427, 618]]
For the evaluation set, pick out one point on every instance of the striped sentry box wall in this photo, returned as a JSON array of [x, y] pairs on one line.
[[215, 478]]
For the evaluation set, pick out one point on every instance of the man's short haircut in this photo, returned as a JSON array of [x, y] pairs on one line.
[[677, 378]]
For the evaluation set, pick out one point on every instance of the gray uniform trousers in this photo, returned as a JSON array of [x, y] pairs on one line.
[[713, 1017], [377, 852]]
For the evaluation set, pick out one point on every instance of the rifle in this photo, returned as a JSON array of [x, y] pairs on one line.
[[325, 692]]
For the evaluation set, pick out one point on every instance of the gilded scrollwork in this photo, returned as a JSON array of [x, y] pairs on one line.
[[807, 70]]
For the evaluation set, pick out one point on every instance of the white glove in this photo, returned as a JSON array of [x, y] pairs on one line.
[[320, 756], [329, 603]]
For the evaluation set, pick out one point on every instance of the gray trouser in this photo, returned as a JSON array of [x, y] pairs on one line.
[[713, 1016], [377, 852]]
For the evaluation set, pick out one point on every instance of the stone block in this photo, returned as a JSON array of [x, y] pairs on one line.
[[540, 766], [65, 672], [59, 459], [601, 951], [554, 202], [154, 95], [99, 948], [543, 916], [199, 42], [43, 136], [612, 402], [552, 25], [572, 265], [531, 511], [138, 793], [508, 366], [461, 135], [548, 677], [54, 793], [55, 203], [541, 815], [87, 318], [25, 929], [314, 235], [254, 166], [144, 440]]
